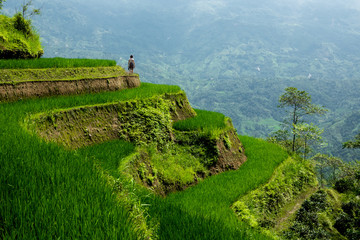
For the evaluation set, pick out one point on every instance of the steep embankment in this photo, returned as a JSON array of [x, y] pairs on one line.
[[88, 125], [160, 160], [18, 84]]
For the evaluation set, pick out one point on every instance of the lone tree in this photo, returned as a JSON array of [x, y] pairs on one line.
[[309, 134], [28, 11], [329, 168], [299, 105]]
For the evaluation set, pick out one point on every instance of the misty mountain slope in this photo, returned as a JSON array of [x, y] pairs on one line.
[[235, 57]]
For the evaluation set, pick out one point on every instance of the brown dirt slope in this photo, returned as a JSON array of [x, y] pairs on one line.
[[32, 89]]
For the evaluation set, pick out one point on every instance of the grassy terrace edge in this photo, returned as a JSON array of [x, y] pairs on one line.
[[55, 63], [62, 77], [14, 76], [56, 69]]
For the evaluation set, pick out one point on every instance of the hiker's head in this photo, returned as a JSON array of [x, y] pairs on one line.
[[131, 56]]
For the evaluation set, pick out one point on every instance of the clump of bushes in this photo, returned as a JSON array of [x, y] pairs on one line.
[[22, 25], [348, 222], [344, 185], [18, 39], [316, 216], [307, 224], [146, 124], [330, 214], [349, 183]]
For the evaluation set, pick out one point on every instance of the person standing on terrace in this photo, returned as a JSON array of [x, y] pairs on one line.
[[131, 64]]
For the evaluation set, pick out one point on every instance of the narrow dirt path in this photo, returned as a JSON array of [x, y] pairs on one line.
[[291, 209]]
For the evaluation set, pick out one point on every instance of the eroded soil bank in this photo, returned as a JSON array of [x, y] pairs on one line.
[[32, 89]]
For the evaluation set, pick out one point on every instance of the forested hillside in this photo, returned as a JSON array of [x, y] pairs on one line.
[[234, 57]]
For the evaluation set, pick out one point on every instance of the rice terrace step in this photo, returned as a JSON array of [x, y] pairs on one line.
[[15, 90], [22, 79]]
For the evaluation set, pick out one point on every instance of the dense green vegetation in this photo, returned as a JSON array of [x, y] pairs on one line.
[[18, 39], [239, 73], [315, 217], [50, 183], [55, 63], [353, 144], [263, 207], [348, 221], [332, 212]]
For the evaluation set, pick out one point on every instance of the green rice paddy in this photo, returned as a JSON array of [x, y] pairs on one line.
[[47, 192], [205, 120]]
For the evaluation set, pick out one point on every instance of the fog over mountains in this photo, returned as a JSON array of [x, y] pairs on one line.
[[230, 56]]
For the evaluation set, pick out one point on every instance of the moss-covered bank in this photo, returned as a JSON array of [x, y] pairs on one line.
[[139, 121], [166, 159]]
